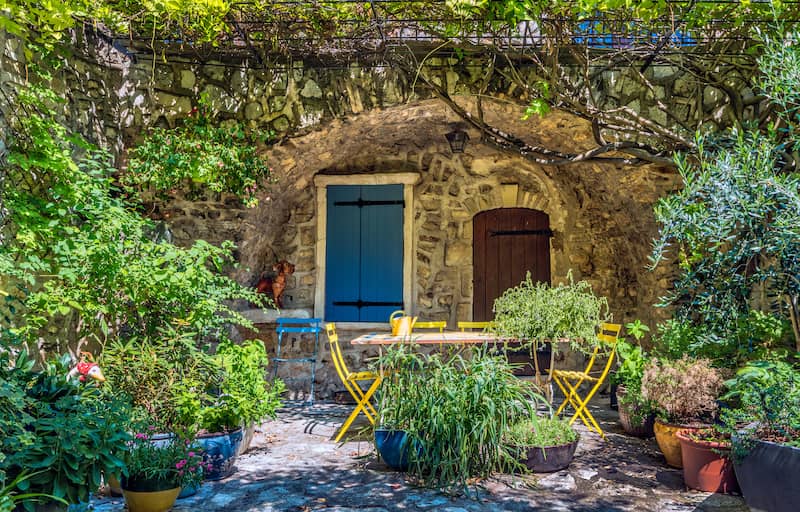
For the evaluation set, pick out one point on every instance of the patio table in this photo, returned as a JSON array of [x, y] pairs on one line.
[[430, 338]]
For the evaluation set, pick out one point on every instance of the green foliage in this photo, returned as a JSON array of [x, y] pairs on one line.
[[735, 229], [11, 498], [683, 391], [203, 152], [457, 411], [38, 409], [766, 394], [82, 256], [162, 376], [245, 367], [541, 432], [160, 464], [538, 312]]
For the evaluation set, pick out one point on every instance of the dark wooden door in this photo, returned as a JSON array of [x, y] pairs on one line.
[[507, 243]]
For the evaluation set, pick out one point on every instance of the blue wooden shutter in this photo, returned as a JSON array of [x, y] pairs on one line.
[[364, 260]]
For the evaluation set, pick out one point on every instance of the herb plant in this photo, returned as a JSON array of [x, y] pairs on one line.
[[541, 432], [538, 312], [683, 391]]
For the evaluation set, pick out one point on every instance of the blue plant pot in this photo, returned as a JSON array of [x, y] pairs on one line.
[[392, 445], [219, 450], [190, 490]]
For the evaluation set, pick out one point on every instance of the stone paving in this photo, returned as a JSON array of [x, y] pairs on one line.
[[294, 465]]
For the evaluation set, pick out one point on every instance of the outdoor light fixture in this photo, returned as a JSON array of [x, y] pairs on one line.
[[457, 139]]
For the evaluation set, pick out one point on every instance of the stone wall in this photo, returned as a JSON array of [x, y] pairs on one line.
[[361, 119]]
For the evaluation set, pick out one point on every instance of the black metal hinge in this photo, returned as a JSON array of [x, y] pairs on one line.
[[365, 303], [522, 232], [362, 203]]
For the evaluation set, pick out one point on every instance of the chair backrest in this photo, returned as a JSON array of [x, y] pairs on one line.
[[464, 325], [311, 325], [608, 335], [336, 353], [439, 324]]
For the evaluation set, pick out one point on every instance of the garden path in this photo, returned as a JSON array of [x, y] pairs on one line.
[[295, 466]]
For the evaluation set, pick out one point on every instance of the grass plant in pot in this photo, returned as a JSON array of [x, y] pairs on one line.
[[537, 313], [765, 424], [156, 472], [684, 393], [635, 413], [456, 411], [545, 444]]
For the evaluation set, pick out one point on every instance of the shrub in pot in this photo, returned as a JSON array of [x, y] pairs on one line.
[[456, 411], [765, 424], [545, 444], [684, 394], [538, 313]]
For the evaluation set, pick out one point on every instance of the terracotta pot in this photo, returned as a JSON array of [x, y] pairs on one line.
[[768, 477], [644, 428], [707, 465], [550, 458], [151, 501], [668, 443]]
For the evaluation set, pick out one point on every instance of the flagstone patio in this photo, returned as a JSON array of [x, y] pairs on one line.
[[293, 465]]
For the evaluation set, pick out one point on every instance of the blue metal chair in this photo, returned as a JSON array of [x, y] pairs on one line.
[[299, 326]]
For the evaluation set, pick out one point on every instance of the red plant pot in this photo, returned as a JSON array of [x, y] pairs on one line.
[[707, 465]]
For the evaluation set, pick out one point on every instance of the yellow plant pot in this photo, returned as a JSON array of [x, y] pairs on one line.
[[669, 444], [152, 501]]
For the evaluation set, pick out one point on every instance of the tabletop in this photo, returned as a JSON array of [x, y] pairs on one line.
[[429, 338]]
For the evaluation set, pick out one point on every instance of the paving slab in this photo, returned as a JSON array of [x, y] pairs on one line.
[[294, 465]]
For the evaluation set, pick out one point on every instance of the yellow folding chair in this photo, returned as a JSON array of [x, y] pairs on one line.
[[439, 324], [464, 325], [570, 381], [351, 382]]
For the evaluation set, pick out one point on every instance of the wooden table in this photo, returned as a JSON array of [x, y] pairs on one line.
[[430, 338]]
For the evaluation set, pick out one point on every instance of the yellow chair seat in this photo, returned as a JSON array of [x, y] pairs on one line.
[[362, 375], [574, 375]]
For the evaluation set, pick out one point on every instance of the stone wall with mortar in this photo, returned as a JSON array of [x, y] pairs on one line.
[[358, 119]]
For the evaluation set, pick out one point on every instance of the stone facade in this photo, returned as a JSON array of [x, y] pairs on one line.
[[361, 119]]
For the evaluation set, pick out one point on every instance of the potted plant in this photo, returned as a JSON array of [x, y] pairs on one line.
[[156, 472], [245, 367], [455, 412], [765, 425], [545, 444], [635, 413], [706, 458], [537, 313], [684, 394]]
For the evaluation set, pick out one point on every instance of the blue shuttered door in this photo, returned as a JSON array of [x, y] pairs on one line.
[[364, 276]]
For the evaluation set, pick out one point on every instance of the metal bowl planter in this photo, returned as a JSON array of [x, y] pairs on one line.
[[707, 465], [768, 477], [219, 450], [549, 459]]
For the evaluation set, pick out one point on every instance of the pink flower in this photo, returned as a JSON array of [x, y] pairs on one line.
[[191, 454], [141, 436], [180, 473], [180, 464], [151, 428]]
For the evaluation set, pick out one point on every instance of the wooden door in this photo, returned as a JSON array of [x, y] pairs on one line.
[[507, 243]]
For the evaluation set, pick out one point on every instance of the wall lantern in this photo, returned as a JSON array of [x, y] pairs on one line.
[[457, 139]]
